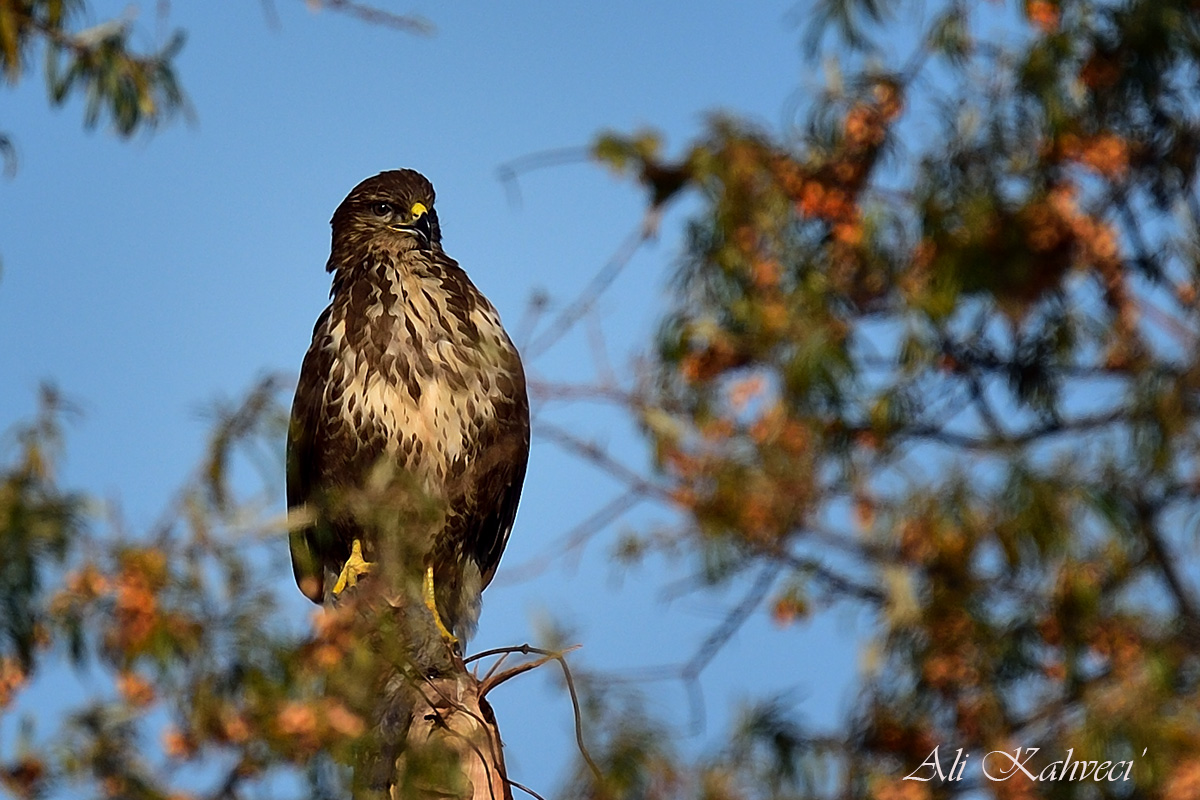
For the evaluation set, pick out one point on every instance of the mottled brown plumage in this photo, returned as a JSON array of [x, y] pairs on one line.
[[410, 382]]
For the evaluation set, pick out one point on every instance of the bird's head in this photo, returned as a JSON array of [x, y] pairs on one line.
[[393, 209]]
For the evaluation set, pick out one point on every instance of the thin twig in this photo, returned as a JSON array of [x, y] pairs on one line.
[[510, 171], [524, 788], [597, 521], [534, 310], [570, 315], [732, 623], [689, 671], [595, 454], [495, 667], [378, 16], [836, 581], [1028, 436], [1166, 562], [524, 649], [521, 669], [600, 393], [560, 657]]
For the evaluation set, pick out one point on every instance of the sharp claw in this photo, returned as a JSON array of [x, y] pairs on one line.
[[431, 604], [355, 566]]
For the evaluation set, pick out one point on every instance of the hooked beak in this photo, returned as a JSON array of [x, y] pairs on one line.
[[420, 223]]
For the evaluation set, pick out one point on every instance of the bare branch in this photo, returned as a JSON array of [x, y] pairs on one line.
[[1166, 562], [597, 521], [510, 171], [525, 789], [596, 455], [376, 16], [570, 315], [600, 393], [1084, 424], [547, 655]]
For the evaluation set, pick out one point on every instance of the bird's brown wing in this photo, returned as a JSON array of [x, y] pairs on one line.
[[326, 454], [483, 486], [302, 464], [499, 476]]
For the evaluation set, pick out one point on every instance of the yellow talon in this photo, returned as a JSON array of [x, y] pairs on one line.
[[431, 604], [355, 566]]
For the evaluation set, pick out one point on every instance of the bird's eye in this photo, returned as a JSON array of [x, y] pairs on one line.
[[382, 209]]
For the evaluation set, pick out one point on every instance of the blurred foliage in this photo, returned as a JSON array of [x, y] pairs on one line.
[[38, 526], [192, 679], [133, 90], [933, 354]]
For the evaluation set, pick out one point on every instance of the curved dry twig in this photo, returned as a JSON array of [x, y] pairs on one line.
[[578, 307], [511, 170], [547, 655], [524, 789]]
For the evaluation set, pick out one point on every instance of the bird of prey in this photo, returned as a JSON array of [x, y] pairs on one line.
[[410, 380]]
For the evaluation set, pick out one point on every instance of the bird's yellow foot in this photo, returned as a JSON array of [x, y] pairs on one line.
[[431, 604], [355, 566]]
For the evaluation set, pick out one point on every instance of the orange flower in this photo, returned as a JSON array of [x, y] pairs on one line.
[[888, 100], [87, 582], [717, 429], [1107, 154], [296, 719], [756, 517], [766, 274], [787, 610], [838, 204], [684, 497], [177, 744], [864, 512], [234, 727], [142, 574], [1050, 630], [900, 790], [114, 786], [946, 671], [1044, 15], [343, 720], [848, 233], [24, 777], [811, 197], [1184, 783], [847, 172], [862, 127], [1185, 293], [743, 391], [135, 689], [795, 438], [12, 678]]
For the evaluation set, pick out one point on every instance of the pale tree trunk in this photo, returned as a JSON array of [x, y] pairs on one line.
[[450, 720], [435, 734]]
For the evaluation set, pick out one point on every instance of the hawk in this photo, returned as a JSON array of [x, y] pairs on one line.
[[410, 381]]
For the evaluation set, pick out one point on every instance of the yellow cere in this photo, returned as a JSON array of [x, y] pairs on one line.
[[418, 209]]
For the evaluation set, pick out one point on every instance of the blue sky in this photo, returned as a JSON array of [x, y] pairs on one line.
[[148, 277]]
